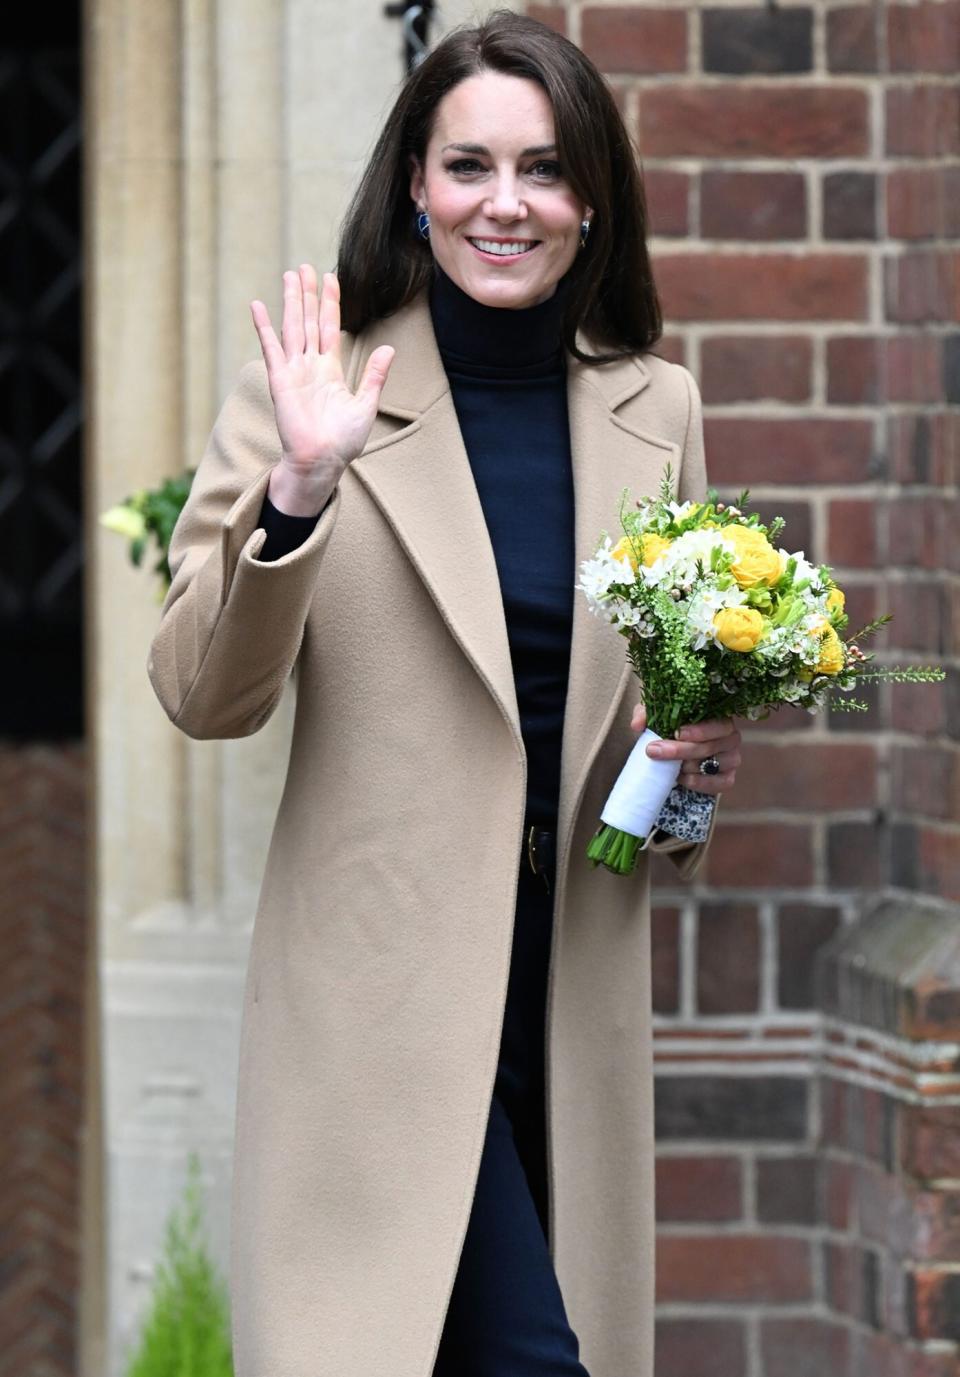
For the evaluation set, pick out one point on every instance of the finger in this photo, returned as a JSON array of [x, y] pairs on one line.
[[311, 308], [330, 316], [729, 761], [375, 375], [707, 731], [691, 750], [291, 331], [710, 784], [639, 719], [270, 346]]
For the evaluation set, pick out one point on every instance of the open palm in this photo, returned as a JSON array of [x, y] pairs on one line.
[[322, 424]]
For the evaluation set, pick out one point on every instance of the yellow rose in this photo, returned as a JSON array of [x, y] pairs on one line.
[[625, 548], [652, 546], [756, 561], [738, 628], [744, 535], [831, 652], [835, 600]]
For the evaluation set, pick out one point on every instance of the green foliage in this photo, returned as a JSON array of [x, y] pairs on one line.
[[187, 1333], [906, 674], [151, 512], [871, 627], [673, 679]]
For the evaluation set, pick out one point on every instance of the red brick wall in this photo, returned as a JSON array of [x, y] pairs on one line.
[[43, 953], [802, 167], [888, 1157], [803, 172]]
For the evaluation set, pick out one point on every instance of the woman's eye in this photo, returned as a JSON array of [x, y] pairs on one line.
[[463, 165], [547, 168]]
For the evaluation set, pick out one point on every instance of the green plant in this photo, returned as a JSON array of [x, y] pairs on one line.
[[187, 1331], [151, 512]]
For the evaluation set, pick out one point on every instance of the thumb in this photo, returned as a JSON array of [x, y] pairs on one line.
[[375, 374], [639, 719]]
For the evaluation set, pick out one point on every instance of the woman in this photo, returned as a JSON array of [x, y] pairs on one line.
[[444, 1148]]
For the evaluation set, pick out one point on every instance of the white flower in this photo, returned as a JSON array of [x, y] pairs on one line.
[[779, 646], [626, 616], [805, 570], [703, 607], [793, 690], [807, 642], [598, 575], [678, 563]]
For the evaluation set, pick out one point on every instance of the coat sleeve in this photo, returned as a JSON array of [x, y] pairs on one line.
[[231, 625], [691, 487]]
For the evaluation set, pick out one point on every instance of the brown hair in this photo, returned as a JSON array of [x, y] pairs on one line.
[[382, 262]]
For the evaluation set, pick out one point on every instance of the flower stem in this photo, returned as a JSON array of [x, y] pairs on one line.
[[614, 849]]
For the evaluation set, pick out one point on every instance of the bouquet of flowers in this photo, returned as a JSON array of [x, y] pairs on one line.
[[719, 622]]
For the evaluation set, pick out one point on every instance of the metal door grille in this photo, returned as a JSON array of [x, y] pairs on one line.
[[41, 544]]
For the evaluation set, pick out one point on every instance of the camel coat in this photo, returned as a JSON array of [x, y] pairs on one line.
[[379, 957]]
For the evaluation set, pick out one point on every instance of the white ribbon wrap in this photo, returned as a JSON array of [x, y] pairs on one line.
[[641, 790]]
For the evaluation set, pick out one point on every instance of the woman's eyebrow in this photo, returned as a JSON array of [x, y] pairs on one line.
[[479, 148]]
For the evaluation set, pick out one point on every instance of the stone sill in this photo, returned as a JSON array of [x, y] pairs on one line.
[[896, 969]]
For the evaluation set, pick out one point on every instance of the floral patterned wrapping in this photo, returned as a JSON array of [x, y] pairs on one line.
[[686, 814]]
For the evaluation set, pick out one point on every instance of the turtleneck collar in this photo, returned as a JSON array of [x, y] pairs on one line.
[[494, 341]]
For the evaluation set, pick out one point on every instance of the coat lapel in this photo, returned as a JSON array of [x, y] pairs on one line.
[[415, 467], [420, 476], [609, 453]]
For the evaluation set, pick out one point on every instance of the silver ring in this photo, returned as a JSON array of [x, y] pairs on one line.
[[710, 766]]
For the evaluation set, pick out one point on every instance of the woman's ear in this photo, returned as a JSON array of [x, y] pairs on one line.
[[416, 180]]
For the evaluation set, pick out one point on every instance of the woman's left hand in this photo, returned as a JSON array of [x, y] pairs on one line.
[[717, 736]]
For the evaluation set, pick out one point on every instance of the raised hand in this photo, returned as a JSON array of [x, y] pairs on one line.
[[322, 424]]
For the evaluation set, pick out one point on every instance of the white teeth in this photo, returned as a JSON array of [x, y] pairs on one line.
[[514, 246]]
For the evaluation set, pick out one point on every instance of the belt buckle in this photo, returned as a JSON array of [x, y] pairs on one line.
[[532, 856]]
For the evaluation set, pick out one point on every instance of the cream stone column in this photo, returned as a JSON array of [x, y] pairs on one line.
[[218, 152]]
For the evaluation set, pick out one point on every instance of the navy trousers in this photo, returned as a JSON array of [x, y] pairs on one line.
[[506, 1316]]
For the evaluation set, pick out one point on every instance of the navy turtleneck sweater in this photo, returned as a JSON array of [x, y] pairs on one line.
[[507, 375]]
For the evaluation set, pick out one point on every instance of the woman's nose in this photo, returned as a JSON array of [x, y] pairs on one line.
[[505, 203]]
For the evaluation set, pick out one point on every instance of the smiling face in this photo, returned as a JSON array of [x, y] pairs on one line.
[[504, 224]]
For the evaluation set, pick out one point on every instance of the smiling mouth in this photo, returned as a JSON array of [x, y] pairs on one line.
[[507, 248]]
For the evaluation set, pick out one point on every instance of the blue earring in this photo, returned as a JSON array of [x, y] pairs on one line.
[[584, 231], [423, 225]]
